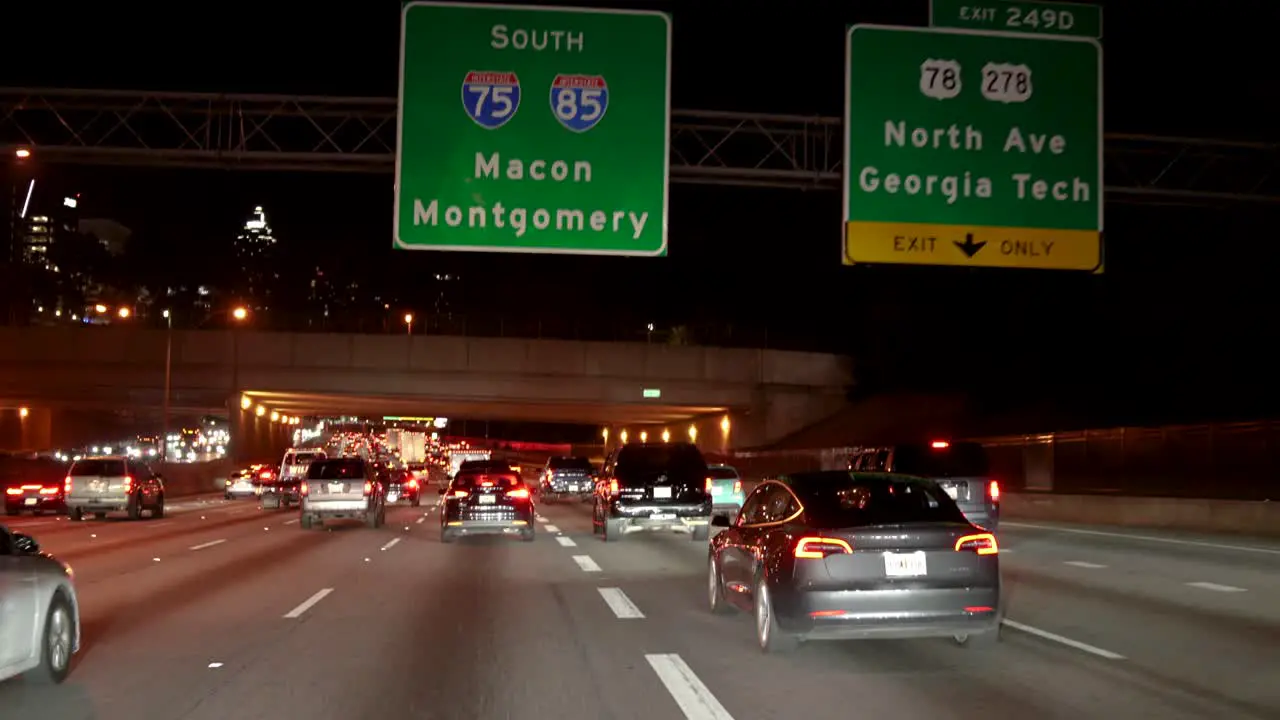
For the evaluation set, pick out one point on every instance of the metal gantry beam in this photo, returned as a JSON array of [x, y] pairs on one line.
[[352, 134]]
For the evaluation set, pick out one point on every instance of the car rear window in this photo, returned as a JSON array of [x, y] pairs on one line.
[[103, 468], [474, 479], [722, 473], [680, 458], [301, 458], [333, 469], [956, 460], [843, 499], [569, 463]]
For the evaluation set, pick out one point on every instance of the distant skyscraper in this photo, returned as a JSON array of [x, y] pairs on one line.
[[257, 256]]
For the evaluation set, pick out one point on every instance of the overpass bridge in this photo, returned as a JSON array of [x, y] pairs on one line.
[[766, 394]]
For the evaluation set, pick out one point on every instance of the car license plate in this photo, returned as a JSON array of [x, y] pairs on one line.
[[573, 488], [33, 501], [488, 499], [904, 564], [337, 488], [663, 516], [952, 490], [392, 497], [661, 493]]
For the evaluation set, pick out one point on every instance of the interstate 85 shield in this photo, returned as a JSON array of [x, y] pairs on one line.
[[579, 102], [491, 99]]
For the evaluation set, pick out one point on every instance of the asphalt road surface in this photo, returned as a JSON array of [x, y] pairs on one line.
[[222, 610]]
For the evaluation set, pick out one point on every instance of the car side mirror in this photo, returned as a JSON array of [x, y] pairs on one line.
[[721, 521], [25, 545]]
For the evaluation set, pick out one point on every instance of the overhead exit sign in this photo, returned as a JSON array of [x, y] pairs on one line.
[[652, 393], [1020, 16]]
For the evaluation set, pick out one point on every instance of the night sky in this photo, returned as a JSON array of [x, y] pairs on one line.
[[1181, 326]]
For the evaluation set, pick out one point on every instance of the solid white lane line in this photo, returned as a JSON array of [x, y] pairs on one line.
[[290, 522], [552, 528], [1216, 587], [586, 563], [209, 544], [1083, 564], [1091, 649], [565, 542], [620, 604], [694, 699], [308, 603], [391, 543], [1147, 538]]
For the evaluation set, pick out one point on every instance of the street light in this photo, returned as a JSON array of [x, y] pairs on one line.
[[124, 313], [168, 381], [666, 435], [693, 433], [623, 437], [644, 436], [260, 411], [275, 416], [246, 402], [24, 412], [22, 153], [240, 313], [408, 320]]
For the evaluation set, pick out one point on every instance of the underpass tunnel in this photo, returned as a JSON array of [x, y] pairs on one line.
[[259, 433]]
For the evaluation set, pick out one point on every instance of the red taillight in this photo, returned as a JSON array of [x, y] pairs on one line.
[[981, 543], [303, 489], [613, 487], [519, 493], [49, 491], [993, 491], [66, 484], [939, 444], [486, 483], [737, 487], [13, 491], [413, 484], [816, 548], [460, 493], [368, 487], [128, 483], [707, 486], [265, 475]]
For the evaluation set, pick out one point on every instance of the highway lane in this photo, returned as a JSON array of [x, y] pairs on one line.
[[246, 615]]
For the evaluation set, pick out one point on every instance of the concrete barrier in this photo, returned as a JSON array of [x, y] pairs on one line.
[[1209, 516], [184, 479]]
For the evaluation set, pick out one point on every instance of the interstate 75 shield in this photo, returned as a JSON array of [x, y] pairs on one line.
[[491, 99]]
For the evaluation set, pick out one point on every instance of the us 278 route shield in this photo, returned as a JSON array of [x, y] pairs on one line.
[[973, 149], [533, 130]]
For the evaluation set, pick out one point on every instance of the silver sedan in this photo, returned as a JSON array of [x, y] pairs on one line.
[[39, 612]]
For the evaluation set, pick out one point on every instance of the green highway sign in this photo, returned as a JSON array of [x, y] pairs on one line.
[[533, 130], [972, 148], [1021, 16]]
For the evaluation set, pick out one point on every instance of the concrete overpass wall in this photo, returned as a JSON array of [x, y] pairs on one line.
[[772, 392]]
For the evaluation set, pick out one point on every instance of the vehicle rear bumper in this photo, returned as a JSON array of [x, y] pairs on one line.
[[100, 504], [337, 509], [642, 517], [44, 503], [489, 527], [916, 613]]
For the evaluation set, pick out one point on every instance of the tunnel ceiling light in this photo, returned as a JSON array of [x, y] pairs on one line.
[[246, 402], [261, 411]]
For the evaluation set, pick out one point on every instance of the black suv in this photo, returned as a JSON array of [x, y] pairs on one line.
[[653, 487]]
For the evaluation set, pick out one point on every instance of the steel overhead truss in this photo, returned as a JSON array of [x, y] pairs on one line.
[[350, 134]]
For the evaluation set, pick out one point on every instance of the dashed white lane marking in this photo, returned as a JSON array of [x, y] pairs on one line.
[[1091, 649], [419, 521], [209, 544], [215, 665], [586, 563], [1147, 538], [308, 603], [620, 604], [565, 542], [1216, 587], [391, 543], [290, 522], [552, 528], [540, 519], [1083, 564], [693, 697]]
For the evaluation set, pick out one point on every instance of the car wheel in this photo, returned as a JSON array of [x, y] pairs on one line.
[[76, 514], [527, 535], [613, 529], [772, 639], [715, 589], [305, 522], [157, 512], [371, 520], [12, 511], [446, 535], [700, 533], [417, 500], [135, 508], [57, 643]]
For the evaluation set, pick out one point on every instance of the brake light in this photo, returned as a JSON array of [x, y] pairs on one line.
[[707, 486], [460, 493], [993, 491], [66, 484], [613, 487], [13, 491], [486, 483], [265, 475], [816, 548], [514, 468], [939, 444], [49, 491], [413, 484], [737, 487], [981, 543], [303, 489], [128, 483], [518, 493], [368, 487]]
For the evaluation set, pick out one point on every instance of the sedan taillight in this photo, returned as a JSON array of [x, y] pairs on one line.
[[303, 489], [368, 487], [981, 543], [66, 484]]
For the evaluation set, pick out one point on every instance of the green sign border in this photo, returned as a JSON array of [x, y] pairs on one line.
[[848, 111], [666, 158]]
